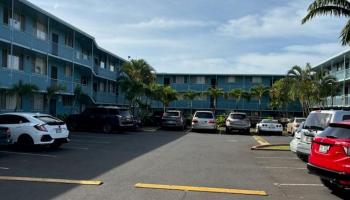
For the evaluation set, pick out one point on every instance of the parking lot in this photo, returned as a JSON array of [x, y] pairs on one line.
[[152, 156]]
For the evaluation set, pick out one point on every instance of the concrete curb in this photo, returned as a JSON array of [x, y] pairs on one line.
[[265, 147]]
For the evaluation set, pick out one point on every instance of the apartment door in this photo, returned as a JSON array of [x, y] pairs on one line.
[[53, 75], [55, 44]]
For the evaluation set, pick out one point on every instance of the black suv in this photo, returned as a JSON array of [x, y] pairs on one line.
[[107, 119]]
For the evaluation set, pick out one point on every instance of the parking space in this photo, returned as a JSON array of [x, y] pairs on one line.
[[160, 157]]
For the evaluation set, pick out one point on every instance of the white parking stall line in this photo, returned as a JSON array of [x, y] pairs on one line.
[[4, 168], [281, 158], [299, 184], [29, 154], [299, 168]]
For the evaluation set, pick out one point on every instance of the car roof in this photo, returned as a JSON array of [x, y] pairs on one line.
[[173, 111], [331, 111], [240, 113], [26, 114], [204, 111]]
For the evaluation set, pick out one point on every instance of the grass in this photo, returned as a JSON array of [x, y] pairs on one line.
[[278, 147]]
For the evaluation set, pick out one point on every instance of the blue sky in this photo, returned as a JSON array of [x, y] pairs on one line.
[[206, 36]]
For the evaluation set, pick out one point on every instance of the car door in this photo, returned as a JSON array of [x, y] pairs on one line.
[[17, 124]]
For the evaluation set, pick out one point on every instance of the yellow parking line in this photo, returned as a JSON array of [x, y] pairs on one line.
[[261, 140], [50, 180], [201, 189]]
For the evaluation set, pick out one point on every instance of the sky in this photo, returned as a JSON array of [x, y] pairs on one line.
[[206, 36]]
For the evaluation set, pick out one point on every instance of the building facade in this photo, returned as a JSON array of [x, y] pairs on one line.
[[337, 66], [202, 82], [40, 49]]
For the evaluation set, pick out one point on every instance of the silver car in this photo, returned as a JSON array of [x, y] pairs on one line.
[[296, 139], [237, 121], [204, 120]]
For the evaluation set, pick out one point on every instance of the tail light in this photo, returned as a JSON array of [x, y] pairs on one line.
[[211, 121], [40, 127], [194, 121]]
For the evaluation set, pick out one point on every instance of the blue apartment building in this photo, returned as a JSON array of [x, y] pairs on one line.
[[41, 49], [339, 67], [202, 82]]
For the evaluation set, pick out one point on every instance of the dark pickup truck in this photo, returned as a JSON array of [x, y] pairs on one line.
[[106, 119]]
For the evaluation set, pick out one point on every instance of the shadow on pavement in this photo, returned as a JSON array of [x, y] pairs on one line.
[[86, 157]]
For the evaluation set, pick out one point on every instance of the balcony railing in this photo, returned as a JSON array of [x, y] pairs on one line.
[[105, 98]]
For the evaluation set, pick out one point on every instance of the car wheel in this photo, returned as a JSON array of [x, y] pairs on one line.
[[247, 131], [303, 157], [25, 141], [227, 130], [107, 128]]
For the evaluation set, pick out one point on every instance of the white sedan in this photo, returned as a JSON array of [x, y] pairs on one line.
[[269, 125], [29, 129]]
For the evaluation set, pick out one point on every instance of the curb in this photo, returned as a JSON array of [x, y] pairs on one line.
[[265, 147]]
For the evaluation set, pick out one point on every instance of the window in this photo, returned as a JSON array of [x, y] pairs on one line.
[[12, 119], [231, 79], [112, 88], [102, 86], [68, 71], [41, 30], [112, 68], [17, 22], [346, 117], [39, 66], [77, 54], [200, 80], [201, 97], [102, 64], [38, 102], [85, 54], [180, 79], [256, 80], [84, 80], [68, 40], [67, 100], [15, 61], [11, 102]]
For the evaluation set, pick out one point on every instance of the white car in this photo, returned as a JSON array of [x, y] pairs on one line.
[[204, 120], [269, 125], [293, 125], [296, 139], [29, 129]]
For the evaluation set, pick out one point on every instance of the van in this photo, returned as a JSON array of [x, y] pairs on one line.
[[314, 124]]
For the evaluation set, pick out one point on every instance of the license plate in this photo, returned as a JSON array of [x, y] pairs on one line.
[[323, 148], [58, 130]]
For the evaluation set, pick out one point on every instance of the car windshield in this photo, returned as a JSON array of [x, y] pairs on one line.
[[171, 114], [341, 132], [269, 121], [205, 115], [317, 121], [238, 116], [299, 120], [124, 113], [301, 126]]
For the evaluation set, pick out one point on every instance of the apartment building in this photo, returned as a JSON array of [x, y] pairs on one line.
[[41, 49], [202, 82]]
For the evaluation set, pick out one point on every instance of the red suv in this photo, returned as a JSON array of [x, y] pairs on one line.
[[330, 156]]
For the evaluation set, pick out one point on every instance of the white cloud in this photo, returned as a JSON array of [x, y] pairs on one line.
[[149, 42], [280, 22], [163, 23]]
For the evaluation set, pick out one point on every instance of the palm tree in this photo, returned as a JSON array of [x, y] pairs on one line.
[[259, 92], [136, 78], [279, 94], [237, 94], [191, 95], [20, 90], [78, 94], [164, 94], [301, 86], [323, 87], [52, 90], [339, 8], [215, 93]]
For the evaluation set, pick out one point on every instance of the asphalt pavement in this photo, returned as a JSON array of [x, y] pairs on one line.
[[159, 157]]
